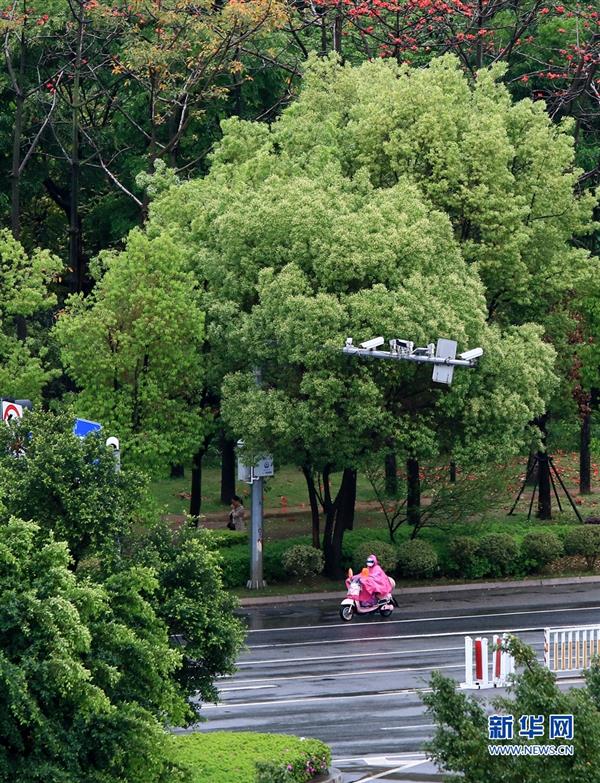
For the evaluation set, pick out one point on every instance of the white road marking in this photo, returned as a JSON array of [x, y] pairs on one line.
[[387, 772], [477, 631], [247, 688], [313, 699], [319, 675], [428, 619], [406, 728], [378, 761], [337, 657]]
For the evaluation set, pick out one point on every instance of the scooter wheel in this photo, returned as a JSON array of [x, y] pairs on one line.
[[347, 612], [385, 612]]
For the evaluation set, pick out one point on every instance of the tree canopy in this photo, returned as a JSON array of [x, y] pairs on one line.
[[134, 348], [85, 669]]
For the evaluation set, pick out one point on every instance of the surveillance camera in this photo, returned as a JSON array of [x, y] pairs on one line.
[[113, 443], [348, 341], [371, 344], [474, 353], [402, 346]]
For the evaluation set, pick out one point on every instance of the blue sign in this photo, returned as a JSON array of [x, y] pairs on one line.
[[83, 427]]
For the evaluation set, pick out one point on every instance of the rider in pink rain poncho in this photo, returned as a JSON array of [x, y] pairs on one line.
[[375, 584]]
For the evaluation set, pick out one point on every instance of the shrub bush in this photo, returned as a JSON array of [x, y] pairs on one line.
[[501, 552], [224, 539], [464, 558], [386, 554], [540, 548], [417, 559], [584, 541], [303, 561], [235, 562]]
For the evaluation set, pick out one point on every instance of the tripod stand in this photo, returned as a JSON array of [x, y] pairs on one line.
[[545, 463]]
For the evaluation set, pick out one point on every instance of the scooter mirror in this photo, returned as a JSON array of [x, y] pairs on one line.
[[350, 573]]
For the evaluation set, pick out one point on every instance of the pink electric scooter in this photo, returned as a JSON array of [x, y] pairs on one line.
[[352, 605]]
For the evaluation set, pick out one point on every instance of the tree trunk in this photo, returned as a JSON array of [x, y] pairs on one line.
[[339, 517], [413, 493], [544, 486], [530, 471], [227, 470], [15, 174], [75, 256], [196, 490], [544, 491], [314, 505], [585, 466], [391, 475], [453, 472], [177, 471]]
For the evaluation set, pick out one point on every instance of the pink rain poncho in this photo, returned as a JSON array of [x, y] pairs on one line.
[[375, 582]]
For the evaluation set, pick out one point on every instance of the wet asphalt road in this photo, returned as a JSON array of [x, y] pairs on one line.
[[355, 685]]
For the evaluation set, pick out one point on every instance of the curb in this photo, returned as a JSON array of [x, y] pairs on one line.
[[304, 597], [332, 776]]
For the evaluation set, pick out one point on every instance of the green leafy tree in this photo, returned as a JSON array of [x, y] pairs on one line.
[[25, 292], [134, 349], [66, 484], [460, 744], [193, 604], [384, 201], [85, 670]]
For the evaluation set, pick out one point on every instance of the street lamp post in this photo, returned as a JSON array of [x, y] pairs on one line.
[[442, 355]]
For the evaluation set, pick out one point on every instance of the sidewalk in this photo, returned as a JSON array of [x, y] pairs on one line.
[[334, 594]]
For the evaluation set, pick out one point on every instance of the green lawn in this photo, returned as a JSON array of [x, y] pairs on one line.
[[231, 757], [287, 483]]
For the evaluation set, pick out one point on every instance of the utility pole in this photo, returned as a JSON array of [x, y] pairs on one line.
[[254, 476]]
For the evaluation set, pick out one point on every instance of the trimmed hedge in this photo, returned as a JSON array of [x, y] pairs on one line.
[[248, 757], [584, 541], [417, 559], [303, 561], [501, 552], [464, 558], [540, 548]]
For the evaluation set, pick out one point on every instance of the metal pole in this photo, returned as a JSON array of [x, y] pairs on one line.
[[256, 580]]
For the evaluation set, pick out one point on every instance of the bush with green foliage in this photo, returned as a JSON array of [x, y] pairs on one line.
[[539, 548], [235, 566], [585, 542], [417, 559], [193, 603], [501, 552], [464, 558], [386, 554], [86, 671], [256, 758], [303, 561], [460, 741], [67, 485]]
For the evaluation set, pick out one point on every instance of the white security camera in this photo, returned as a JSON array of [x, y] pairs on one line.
[[474, 353], [348, 341], [371, 344], [113, 443]]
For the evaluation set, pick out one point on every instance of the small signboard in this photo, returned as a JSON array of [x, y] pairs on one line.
[[264, 468], [445, 349], [83, 427], [11, 410]]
